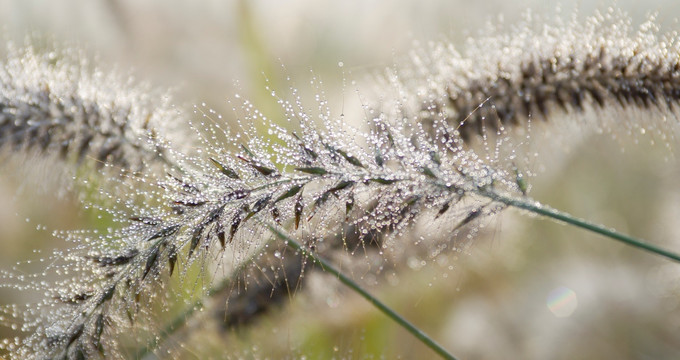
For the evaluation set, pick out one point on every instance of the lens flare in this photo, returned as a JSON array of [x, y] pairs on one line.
[[562, 301]]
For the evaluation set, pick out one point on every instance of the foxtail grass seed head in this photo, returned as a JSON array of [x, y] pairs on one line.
[[55, 103], [538, 70], [312, 173]]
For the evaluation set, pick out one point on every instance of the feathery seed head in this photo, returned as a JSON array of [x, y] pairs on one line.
[[537, 70], [53, 102]]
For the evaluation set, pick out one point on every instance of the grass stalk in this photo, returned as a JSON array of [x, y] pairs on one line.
[[329, 268], [180, 320], [540, 209]]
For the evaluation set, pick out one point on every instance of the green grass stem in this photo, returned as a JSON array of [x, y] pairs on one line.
[[540, 209], [329, 268]]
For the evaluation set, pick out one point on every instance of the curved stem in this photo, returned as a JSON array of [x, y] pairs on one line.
[[329, 268], [538, 208], [181, 319]]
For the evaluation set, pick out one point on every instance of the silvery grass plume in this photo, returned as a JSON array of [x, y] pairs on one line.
[[538, 70], [54, 103], [313, 174]]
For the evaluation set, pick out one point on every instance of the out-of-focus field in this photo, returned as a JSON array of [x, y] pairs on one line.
[[528, 289]]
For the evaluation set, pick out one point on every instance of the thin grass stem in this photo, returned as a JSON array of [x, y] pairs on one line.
[[179, 321], [538, 208], [329, 268]]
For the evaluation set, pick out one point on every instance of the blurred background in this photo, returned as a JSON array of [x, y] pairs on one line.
[[528, 289]]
